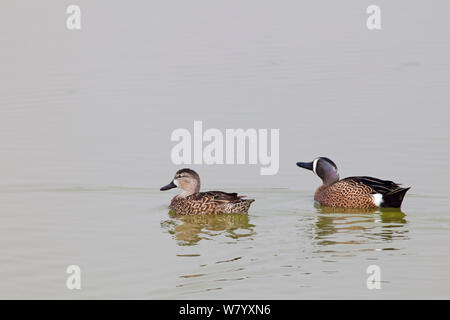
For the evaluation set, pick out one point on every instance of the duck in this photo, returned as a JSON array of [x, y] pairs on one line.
[[193, 202], [359, 192]]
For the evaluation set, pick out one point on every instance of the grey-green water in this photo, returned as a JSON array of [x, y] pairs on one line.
[[85, 124]]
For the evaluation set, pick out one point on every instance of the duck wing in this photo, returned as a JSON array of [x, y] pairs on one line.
[[218, 196], [375, 184]]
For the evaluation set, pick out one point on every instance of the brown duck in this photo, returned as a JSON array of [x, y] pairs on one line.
[[353, 192], [193, 202]]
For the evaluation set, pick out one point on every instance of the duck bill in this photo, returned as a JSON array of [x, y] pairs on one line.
[[171, 185], [305, 165]]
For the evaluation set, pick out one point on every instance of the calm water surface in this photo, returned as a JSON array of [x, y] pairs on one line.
[[85, 124]]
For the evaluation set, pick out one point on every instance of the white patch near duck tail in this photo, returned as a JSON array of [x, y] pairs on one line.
[[377, 199], [315, 165]]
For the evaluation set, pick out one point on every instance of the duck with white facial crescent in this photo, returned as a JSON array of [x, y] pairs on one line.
[[359, 192]]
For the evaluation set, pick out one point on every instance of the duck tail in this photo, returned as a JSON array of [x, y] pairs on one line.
[[244, 199], [394, 199]]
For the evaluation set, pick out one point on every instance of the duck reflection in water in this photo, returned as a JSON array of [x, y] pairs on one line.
[[359, 226], [190, 229]]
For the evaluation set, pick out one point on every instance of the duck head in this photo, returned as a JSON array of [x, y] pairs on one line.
[[187, 180], [324, 168]]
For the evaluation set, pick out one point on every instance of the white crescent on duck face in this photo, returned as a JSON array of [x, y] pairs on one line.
[[193, 202], [353, 192]]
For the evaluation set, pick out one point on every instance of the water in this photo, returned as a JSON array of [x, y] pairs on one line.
[[85, 124]]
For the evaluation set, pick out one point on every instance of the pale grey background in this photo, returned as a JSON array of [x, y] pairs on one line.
[[86, 118]]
